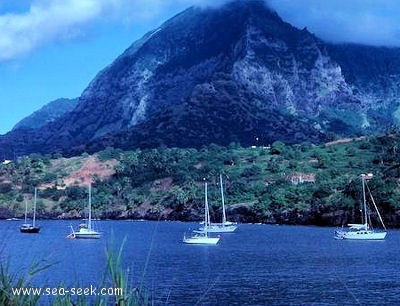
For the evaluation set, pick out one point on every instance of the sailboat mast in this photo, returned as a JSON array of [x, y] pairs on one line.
[[223, 200], [206, 213], [90, 208], [34, 208], [26, 211], [364, 201]]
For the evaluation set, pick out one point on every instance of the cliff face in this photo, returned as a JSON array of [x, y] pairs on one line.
[[231, 74], [374, 76]]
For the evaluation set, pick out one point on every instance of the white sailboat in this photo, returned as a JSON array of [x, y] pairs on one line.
[[225, 226], [29, 228], [201, 236], [363, 231], [86, 231]]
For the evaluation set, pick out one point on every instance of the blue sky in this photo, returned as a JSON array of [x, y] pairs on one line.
[[53, 48]]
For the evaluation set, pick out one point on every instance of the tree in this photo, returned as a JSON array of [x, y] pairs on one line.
[[277, 147]]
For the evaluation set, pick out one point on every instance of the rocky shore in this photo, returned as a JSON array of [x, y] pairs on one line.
[[242, 213]]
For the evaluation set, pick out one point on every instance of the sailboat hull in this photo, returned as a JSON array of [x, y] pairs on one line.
[[360, 235], [220, 228], [29, 229], [201, 240], [85, 233], [87, 236]]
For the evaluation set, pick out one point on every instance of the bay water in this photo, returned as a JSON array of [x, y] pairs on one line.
[[256, 265]]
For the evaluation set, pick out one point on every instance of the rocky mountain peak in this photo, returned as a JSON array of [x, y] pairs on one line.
[[228, 74]]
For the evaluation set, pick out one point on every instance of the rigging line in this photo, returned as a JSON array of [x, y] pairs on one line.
[[148, 254], [348, 290], [170, 291], [376, 208], [208, 290], [335, 274]]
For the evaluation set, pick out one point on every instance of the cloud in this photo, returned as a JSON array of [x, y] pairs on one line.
[[368, 22], [46, 21], [154, 9]]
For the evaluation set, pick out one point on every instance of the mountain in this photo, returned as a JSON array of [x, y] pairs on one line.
[[48, 113], [237, 73], [374, 75]]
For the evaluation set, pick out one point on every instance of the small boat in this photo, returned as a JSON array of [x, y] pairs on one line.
[[85, 230], [363, 231], [201, 236], [29, 228], [225, 226]]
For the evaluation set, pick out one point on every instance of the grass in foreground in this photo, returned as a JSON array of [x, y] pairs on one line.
[[115, 276]]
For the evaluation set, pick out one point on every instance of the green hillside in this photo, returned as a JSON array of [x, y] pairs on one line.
[[300, 184]]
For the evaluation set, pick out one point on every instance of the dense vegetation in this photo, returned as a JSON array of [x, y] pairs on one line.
[[262, 184]]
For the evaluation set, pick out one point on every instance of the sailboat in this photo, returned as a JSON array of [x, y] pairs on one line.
[[27, 227], [86, 231], [201, 236], [363, 231], [225, 226]]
